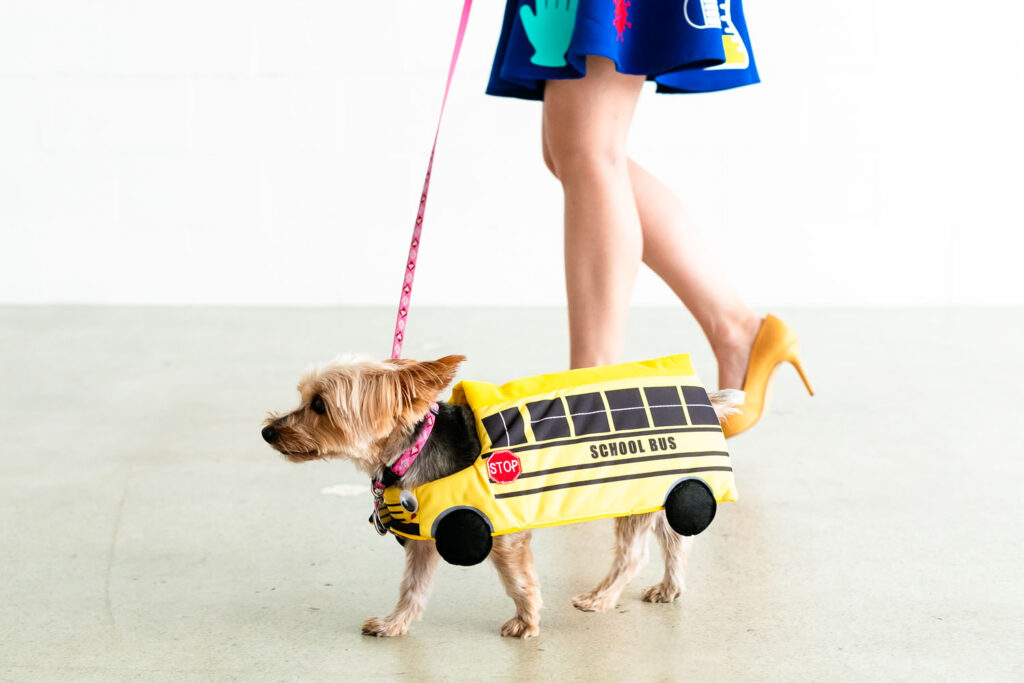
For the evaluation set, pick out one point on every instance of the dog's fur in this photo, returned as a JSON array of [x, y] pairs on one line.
[[368, 412]]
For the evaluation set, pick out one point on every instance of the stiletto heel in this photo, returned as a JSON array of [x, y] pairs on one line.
[[795, 362], [775, 343]]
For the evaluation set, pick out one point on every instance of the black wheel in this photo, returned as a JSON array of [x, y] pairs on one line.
[[463, 537], [690, 507]]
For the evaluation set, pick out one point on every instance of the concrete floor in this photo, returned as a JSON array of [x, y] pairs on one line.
[[147, 533]]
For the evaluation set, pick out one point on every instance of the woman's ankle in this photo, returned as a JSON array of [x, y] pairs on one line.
[[733, 332], [732, 343]]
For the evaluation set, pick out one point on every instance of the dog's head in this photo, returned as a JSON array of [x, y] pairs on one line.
[[358, 408]]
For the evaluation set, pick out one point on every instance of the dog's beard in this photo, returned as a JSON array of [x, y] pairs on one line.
[[299, 444], [300, 449]]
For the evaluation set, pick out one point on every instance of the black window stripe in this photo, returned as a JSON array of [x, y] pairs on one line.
[[495, 428], [624, 419], [411, 529], [512, 420], [545, 409], [607, 480], [665, 396], [627, 409], [604, 437], [702, 415], [589, 413], [580, 404], [695, 396], [612, 460], [624, 398], [548, 419], [552, 425]]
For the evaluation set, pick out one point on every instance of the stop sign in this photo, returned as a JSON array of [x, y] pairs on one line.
[[504, 467]]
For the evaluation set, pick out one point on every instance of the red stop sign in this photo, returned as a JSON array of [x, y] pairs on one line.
[[504, 467]]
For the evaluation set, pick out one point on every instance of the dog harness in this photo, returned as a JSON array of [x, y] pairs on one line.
[[390, 475]]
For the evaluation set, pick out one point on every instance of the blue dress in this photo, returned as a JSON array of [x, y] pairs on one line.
[[684, 46]]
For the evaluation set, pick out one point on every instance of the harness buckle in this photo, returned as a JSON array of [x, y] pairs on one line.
[[377, 523]]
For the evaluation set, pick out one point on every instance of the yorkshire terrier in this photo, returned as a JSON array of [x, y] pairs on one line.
[[369, 412]]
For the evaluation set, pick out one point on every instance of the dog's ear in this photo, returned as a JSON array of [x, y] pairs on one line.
[[422, 382], [399, 395]]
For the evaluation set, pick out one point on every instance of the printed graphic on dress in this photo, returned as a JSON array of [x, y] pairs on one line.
[[702, 13], [549, 29], [621, 21], [736, 54]]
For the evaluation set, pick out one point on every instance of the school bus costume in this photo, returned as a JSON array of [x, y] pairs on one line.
[[570, 447]]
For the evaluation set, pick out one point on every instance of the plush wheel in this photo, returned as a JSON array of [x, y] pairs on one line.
[[690, 507], [463, 537]]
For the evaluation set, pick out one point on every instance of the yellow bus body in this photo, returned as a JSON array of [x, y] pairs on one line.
[[593, 443]]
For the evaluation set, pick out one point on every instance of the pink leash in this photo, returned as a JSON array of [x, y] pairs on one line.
[[414, 247], [406, 459]]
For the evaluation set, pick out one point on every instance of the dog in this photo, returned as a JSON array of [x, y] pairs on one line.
[[369, 412]]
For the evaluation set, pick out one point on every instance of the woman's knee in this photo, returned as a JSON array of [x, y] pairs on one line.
[[583, 159]]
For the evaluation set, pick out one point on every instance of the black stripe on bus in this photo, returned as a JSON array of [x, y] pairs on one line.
[[607, 480], [613, 436], [411, 529], [613, 460]]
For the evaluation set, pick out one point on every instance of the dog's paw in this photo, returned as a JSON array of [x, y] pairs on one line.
[[382, 627], [594, 602], [517, 628], [661, 593]]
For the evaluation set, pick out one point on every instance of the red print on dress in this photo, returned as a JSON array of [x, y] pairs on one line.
[[622, 17]]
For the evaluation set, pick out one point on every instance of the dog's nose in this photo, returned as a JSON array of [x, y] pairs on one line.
[[269, 434]]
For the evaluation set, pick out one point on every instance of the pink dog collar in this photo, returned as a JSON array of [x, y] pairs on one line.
[[408, 456]]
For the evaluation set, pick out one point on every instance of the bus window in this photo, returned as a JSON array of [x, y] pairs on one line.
[[547, 419], [505, 428], [589, 415], [627, 406], [666, 406], [699, 406]]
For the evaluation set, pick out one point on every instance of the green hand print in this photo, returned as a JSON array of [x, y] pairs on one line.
[[550, 29]]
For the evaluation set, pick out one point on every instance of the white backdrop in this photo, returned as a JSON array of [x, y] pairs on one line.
[[271, 152]]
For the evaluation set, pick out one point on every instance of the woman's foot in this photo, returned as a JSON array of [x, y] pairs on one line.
[[774, 343], [731, 344]]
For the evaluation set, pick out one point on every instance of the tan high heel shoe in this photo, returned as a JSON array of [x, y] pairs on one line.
[[775, 343]]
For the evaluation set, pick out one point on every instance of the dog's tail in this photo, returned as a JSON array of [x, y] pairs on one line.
[[726, 402]]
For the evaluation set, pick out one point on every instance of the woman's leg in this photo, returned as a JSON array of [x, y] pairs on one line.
[[674, 249], [586, 121], [617, 213]]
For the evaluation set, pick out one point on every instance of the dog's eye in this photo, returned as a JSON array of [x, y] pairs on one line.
[[317, 404]]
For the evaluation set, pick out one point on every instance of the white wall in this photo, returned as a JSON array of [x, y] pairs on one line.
[[222, 151]]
